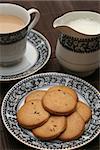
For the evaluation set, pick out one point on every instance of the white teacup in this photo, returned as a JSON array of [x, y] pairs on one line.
[[13, 43]]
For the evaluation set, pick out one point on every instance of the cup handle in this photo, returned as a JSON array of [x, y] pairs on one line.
[[36, 18]]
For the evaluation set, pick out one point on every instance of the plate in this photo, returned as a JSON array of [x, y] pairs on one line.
[[37, 54], [15, 97]]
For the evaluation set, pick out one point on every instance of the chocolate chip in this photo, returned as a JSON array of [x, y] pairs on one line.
[[36, 112], [59, 90], [64, 93], [55, 125], [53, 129], [52, 121]]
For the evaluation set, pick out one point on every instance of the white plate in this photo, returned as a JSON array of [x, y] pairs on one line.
[[37, 54], [15, 97]]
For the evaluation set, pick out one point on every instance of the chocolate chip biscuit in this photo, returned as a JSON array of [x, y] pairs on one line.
[[84, 110], [75, 127], [59, 102], [32, 114], [36, 94], [51, 129]]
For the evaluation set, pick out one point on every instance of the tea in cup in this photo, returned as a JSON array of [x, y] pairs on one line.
[[15, 23]]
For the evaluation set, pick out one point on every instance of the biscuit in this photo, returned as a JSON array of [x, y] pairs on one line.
[[84, 110], [59, 102], [65, 89], [51, 129], [75, 127], [36, 94], [32, 114]]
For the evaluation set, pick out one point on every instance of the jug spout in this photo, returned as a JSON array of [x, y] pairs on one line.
[[57, 22], [59, 25], [79, 24]]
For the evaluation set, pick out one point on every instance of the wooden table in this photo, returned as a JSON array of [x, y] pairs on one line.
[[49, 11]]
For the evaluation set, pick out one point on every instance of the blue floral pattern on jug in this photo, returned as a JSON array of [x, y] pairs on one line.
[[79, 45]]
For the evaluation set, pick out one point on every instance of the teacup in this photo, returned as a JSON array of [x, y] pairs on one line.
[[13, 38], [78, 45]]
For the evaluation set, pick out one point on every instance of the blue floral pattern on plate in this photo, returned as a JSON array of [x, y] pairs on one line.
[[15, 97]]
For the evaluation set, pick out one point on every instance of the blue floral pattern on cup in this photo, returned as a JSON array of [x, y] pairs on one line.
[[13, 37]]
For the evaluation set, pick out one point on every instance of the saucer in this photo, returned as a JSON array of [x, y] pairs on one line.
[[37, 54]]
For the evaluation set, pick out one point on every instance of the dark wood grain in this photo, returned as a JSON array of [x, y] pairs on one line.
[[49, 11]]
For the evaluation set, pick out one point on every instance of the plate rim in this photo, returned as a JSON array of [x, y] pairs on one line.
[[43, 74], [47, 59]]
